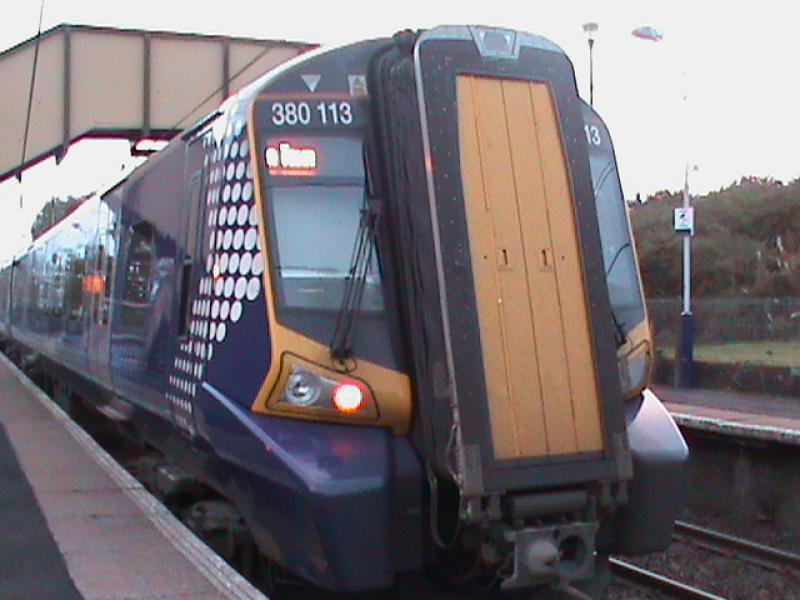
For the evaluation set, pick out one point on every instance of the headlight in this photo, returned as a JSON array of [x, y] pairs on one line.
[[303, 388], [308, 390]]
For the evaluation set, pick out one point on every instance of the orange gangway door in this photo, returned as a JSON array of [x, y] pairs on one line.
[[538, 358]]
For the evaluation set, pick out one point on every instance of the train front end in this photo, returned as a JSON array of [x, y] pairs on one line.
[[449, 259]]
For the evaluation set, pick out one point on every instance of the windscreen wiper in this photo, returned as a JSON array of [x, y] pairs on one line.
[[619, 333], [344, 333], [620, 330], [616, 256]]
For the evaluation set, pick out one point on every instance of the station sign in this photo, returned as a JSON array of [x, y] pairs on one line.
[[684, 220]]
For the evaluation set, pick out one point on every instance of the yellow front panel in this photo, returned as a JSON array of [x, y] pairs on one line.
[[529, 286]]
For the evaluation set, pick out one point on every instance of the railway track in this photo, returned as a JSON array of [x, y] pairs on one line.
[[655, 581], [763, 556], [729, 545]]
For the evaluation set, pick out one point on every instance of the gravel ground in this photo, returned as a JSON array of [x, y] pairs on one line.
[[763, 532], [619, 590], [725, 576]]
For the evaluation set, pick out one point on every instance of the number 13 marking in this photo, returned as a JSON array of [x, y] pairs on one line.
[[592, 135]]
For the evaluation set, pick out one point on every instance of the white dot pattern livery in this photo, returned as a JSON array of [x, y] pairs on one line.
[[233, 267]]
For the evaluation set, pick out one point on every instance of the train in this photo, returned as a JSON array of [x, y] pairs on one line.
[[382, 313]]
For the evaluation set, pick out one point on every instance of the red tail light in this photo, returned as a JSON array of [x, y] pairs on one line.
[[348, 397]]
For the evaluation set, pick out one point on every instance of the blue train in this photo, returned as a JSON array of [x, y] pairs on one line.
[[383, 304]]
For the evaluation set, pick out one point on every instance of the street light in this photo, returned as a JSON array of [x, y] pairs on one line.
[[684, 225], [590, 29]]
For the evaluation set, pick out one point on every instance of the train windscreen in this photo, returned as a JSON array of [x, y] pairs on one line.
[[316, 228], [618, 253], [317, 201]]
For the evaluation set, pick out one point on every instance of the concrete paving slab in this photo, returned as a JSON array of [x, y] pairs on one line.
[[110, 536], [135, 571], [86, 503], [753, 416], [31, 566], [106, 533]]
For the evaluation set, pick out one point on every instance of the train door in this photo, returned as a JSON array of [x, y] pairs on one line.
[[189, 251], [103, 265], [186, 368]]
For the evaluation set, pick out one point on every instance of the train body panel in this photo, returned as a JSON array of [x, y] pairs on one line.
[[291, 301], [319, 496]]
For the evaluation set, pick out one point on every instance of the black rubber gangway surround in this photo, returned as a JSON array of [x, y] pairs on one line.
[[31, 565], [408, 218], [406, 222]]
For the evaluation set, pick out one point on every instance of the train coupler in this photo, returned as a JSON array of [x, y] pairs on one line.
[[555, 554]]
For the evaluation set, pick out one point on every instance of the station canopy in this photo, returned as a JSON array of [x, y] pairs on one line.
[[133, 84]]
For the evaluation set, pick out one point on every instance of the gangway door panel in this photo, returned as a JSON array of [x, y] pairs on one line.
[[540, 373], [492, 210]]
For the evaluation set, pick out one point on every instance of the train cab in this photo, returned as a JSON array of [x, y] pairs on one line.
[[447, 240]]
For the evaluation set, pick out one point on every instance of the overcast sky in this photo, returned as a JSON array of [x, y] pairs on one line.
[[735, 65]]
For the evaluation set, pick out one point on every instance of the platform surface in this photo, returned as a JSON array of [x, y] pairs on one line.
[[754, 416], [74, 524]]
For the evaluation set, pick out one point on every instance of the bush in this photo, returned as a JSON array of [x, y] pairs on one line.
[[747, 241]]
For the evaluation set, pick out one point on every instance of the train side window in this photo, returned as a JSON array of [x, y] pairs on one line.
[[106, 307], [107, 268], [74, 291], [138, 271], [97, 281]]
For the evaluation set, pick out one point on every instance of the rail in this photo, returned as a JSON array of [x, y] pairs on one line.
[[655, 581], [730, 545]]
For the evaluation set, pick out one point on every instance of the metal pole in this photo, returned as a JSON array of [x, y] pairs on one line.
[[686, 354], [590, 29], [687, 256], [591, 71]]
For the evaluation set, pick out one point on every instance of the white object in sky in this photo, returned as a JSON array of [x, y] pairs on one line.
[[648, 33]]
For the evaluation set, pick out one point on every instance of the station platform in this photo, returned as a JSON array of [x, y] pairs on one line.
[[74, 524], [751, 416]]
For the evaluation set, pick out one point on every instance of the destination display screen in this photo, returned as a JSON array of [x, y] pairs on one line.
[[313, 156], [311, 122]]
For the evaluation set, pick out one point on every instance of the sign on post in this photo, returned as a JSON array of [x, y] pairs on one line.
[[684, 220]]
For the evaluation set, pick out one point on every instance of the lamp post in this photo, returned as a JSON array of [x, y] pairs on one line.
[[684, 225], [590, 29]]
